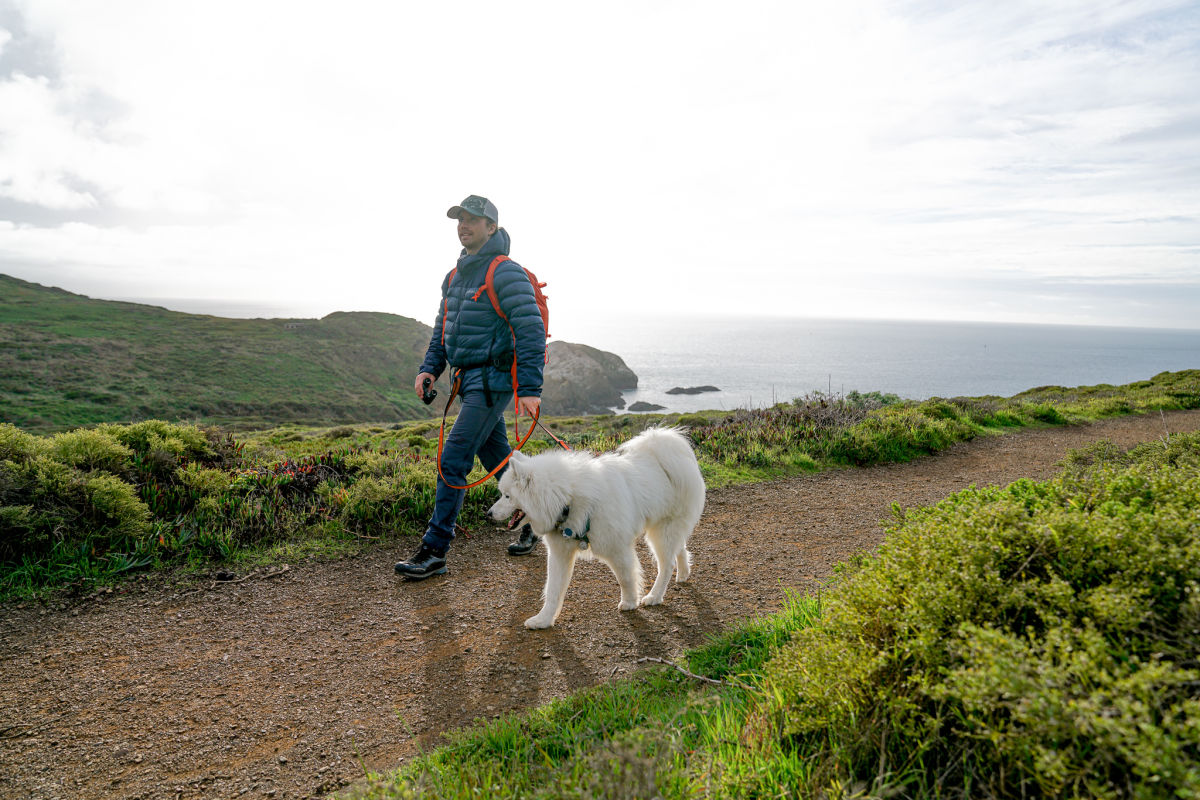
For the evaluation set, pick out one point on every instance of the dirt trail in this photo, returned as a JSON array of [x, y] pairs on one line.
[[284, 687]]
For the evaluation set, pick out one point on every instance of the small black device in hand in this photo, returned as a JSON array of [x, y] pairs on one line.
[[428, 394]]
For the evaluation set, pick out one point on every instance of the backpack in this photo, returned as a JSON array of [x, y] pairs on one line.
[[489, 285]]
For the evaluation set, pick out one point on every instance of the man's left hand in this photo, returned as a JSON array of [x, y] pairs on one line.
[[528, 406]]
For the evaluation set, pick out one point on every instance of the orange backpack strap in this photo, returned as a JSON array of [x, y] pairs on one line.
[[489, 283]]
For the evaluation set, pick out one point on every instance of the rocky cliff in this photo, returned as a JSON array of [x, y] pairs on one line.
[[583, 380]]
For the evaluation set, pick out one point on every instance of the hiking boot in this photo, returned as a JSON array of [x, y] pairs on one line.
[[424, 562], [525, 543]]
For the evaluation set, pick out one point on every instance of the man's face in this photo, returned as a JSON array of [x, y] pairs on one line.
[[474, 231]]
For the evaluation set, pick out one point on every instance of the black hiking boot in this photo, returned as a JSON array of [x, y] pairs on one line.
[[524, 544], [424, 563]]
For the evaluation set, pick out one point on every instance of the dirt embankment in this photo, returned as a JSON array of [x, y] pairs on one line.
[[286, 687]]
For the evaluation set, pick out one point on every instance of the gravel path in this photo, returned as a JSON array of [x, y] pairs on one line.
[[287, 686]]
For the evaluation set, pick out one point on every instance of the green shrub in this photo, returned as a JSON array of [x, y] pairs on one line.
[[114, 510], [1036, 640], [204, 480], [181, 441], [897, 434], [374, 503], [370, 464], [45, 504], [1045, 412], [16, 445], [939, 409], [872, 400], [90, 450]]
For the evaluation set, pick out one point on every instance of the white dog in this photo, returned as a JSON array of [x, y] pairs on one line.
[[598, 506]]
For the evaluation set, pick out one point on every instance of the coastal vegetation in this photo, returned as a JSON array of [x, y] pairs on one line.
[[1037, 640], [87, 506]]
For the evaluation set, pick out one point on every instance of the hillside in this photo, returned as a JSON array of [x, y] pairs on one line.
[[67, 360]]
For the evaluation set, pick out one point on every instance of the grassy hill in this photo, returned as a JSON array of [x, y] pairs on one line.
[[67, 360]]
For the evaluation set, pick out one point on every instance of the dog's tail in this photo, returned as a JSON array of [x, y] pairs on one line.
[[672, 450]]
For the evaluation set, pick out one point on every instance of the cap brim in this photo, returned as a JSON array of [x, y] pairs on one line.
[[455, 211]]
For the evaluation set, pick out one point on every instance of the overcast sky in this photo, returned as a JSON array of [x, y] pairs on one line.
[[1010, 161]]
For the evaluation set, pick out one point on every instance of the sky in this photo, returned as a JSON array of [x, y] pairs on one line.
[[1018, 162]]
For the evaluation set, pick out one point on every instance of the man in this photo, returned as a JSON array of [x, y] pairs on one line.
[[470, 337]]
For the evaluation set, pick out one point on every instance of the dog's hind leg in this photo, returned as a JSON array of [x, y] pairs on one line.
[[683, 566], [560, 565], [664, 560], [628, 570]]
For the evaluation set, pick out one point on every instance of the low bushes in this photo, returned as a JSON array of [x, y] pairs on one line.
[[91, 503], [1036, 640]]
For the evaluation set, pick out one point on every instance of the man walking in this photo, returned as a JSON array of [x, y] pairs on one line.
[[472, 339]]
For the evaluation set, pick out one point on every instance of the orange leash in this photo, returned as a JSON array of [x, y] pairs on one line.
[[455, 385]]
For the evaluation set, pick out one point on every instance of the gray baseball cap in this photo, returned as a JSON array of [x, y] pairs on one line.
[[479, 206]]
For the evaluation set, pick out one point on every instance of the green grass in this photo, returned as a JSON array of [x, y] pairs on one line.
[[1037, 640], [627, 738]]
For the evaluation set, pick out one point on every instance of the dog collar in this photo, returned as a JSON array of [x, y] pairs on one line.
[[581, 536]]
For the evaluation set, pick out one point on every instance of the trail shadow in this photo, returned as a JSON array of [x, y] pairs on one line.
[[577, 672], [442, 663], [708, 620], [515, 670], [648, 634]]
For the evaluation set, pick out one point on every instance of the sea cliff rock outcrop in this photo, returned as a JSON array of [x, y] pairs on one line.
[[584, 380], [692, 389]]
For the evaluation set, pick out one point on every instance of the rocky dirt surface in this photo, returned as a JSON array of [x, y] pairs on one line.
[[289, 686]]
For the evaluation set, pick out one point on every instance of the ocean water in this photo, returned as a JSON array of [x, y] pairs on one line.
[[757, 362]]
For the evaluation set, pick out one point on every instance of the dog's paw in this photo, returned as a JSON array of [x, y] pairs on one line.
[[623, 606], [683, 569], [538, 623], [651, 600]]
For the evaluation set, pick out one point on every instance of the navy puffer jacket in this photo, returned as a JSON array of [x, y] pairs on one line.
[[469, 332]]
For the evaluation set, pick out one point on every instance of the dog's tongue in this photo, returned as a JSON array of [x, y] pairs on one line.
[[515, 519]]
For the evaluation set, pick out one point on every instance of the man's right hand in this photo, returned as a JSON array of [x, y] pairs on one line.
[[420, 384]]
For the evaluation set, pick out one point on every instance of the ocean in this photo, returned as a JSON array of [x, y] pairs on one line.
[[758, 362]]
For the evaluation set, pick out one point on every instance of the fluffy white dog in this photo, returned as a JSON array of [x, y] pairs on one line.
[[581, 504]]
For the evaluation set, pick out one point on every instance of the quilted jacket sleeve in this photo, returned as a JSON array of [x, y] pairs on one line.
[[519, 304], [435, 354]]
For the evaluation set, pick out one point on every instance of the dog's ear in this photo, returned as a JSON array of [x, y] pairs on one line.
[[517, 468]]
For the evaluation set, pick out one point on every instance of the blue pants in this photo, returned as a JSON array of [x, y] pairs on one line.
[[479, 430]]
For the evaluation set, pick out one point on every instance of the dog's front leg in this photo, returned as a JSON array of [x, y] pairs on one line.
[[560, 565]]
